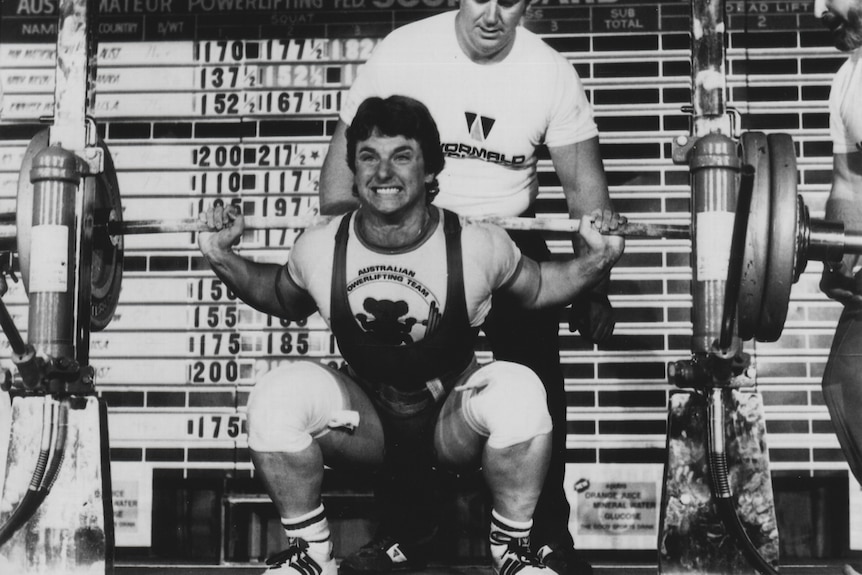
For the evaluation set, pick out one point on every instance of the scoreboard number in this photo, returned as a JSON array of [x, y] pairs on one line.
[[269, 102], [214, 371], [291, 50], [216, 426]]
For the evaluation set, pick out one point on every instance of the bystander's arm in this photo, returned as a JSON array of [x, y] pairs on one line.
[[582, 176], [336, 178]]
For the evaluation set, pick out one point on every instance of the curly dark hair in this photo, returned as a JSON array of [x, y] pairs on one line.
[[398, 116]]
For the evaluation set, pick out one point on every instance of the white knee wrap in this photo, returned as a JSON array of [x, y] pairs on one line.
[[507, 404], [290, 405]]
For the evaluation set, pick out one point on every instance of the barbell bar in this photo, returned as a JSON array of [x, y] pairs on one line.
[[826, 240], [821, 240], [772, 159], [9, 231], [815, 239]]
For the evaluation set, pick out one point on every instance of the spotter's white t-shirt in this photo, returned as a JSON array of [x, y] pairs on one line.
[[491, 117]]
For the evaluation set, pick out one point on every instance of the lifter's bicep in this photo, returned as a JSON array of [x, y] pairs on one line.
[[526, 283], [295, 302], [847, 176]]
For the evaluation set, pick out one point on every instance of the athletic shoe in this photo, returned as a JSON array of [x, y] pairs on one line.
[[385, 554], [518, 559], [298, 560], [849, 570], [568, 562]]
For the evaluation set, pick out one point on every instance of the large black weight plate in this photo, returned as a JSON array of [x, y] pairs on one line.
[[107, 251], [754, 151], [780, 272], [106, 274]]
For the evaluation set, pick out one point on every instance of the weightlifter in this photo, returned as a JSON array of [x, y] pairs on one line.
[[842, 379], [404, 287], [499, 95]]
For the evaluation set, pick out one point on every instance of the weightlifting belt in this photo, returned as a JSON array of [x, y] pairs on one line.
[[399, 403]]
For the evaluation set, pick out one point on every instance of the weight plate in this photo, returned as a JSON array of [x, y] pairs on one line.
[[106, 274], [107, 251], [780, 273], [754, 151]]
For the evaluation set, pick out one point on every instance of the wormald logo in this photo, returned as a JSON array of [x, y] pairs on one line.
[[479, 127], [455, 150]]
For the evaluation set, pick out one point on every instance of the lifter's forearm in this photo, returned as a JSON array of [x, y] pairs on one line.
[[562, 282], [252, 282], [556, 283]]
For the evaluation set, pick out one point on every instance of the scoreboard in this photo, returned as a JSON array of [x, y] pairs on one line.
[[233, 101]]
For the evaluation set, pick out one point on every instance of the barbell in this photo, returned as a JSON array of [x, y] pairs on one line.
[[780, 237]]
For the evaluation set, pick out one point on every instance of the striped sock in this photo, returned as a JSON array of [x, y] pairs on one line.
[[504, 530], [313, 528]]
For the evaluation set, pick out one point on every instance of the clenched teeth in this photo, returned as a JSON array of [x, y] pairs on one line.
[[390, 190]]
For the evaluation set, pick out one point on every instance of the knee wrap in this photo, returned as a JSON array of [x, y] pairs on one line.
[[507, 404], [290, 405]]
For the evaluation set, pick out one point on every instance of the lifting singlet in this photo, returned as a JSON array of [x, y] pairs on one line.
[[441, 354]]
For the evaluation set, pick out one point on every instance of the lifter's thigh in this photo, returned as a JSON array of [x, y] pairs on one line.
[[303, 402], [363, 445], [501, 404]]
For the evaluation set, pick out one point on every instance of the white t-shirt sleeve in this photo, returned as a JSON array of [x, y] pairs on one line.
[[840, 143], [506, 258], [311, 252], [571, 114], [844, 109], [297, 263], [491, 260]]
